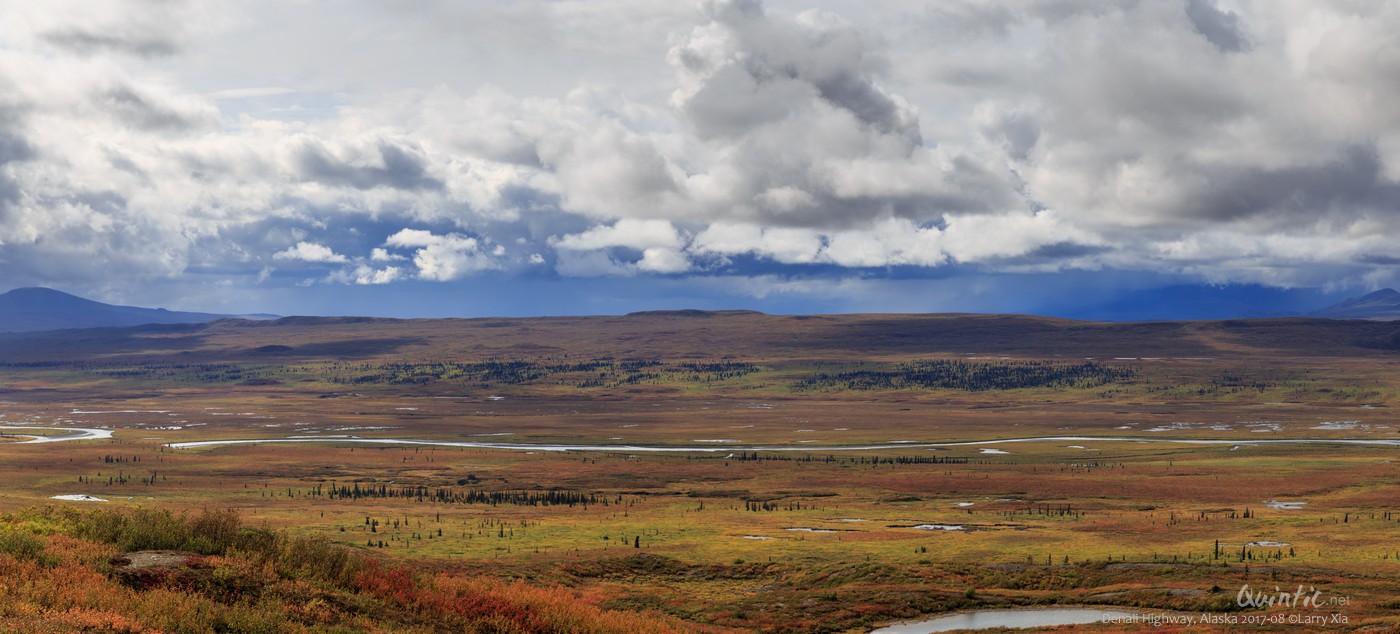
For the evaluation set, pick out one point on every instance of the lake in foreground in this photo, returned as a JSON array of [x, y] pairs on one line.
[[983, 619]]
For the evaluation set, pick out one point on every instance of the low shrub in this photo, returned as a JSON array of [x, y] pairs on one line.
[[21, 544]]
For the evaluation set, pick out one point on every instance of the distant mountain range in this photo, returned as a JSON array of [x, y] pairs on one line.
[[1197, 302], [31, 309], [1236, 301], [1382, 305], [36, 309]]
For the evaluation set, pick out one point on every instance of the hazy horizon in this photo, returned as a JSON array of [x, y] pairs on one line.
[[1172, 303]]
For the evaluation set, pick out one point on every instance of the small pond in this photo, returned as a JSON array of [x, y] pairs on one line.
[[982, 619]]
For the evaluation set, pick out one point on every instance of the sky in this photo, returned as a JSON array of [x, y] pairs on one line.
[[469, 158]]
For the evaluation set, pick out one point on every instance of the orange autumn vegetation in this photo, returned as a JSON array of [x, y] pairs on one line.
[[62, 571]]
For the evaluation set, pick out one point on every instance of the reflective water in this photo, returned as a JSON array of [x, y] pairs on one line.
[[730, 448], [983, 619], [74, 433]]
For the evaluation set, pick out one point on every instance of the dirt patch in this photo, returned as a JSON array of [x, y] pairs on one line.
[[152, 559], [152, 568]]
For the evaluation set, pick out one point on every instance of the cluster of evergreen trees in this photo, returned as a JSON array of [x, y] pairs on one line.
[[608, 372], [584, 374], [754, 456], [551, 497], [493, 372], [971, 376], [195, 373]]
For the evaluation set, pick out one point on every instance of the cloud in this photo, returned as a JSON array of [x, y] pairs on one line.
[[662, 260], [1221, 28], [443, 258], [88, 43], [14, 148], [417, 238], [1203, 138], [129, 105], [378, 254], [634, 234], [746, 69], [383, 164], [250, 93], [310, 252], [890, 242], [593, 252], [380, 276], [781, 244], [366, 275], [807, 135], [140, 28]]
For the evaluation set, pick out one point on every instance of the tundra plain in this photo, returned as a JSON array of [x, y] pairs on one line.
[[812, 479]]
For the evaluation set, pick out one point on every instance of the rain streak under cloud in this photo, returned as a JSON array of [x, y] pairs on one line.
[[865, 154]]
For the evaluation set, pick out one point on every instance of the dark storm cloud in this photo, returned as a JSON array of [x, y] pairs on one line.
[[1379, 259], [143, 111], [783, 63], [1222, 28], [529, 200], [14, 148], [124, 163], [1061, 250], [90, 43], [385, 165], [1016, 132], [141, 28], [111, 242], [810, 138], [858, 95], [737, 101], [1351, 184]]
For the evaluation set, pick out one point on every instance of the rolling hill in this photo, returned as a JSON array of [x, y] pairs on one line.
[[717, 335], [1382, 305], [34, 309]]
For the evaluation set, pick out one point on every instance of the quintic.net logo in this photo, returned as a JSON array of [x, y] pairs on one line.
[[1304, 599]]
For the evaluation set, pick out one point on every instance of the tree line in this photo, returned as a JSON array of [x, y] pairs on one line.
[[442, 495], [952, 374]]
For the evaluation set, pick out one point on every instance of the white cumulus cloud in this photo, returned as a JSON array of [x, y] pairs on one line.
[[445, 257], [310, 252]]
